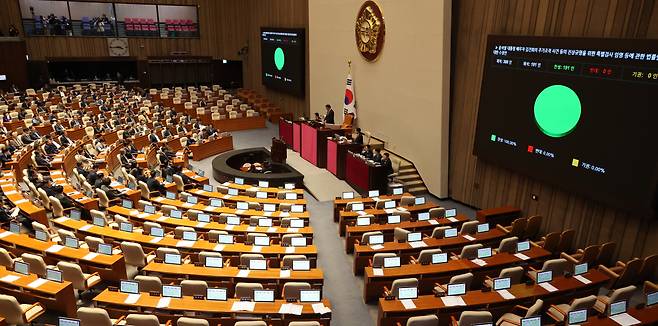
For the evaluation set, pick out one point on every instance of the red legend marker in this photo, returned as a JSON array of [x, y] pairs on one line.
[[530, 149]]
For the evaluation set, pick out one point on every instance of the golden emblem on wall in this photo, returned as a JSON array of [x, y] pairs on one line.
[[370, 30]]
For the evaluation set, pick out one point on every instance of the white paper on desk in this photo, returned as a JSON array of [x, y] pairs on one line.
[[267, 214], [187, 205], [162, 218], [85, 227], [15, 211], [226, 197], [143, 215], [20, 201], [9, 278], [243, 306], [433, 222], [284, 273], [292, 230], [320, 308], [155, 240], [251, 228], [284, 214], [5, 234], [61, 219], [133, 212], [219, 247], [163, 303], [243, 273], [132, 298], [361, 213], [90, 256], [201, 224], [158, 199], [378, 271], [521, 256], [402, 209], [253, 189], [468, 237], [229, 227], [226, 183], [625, 319], [548, 287], [11, 192], [239, 211], [452, 301], [185, 243], [408, 304], [506, 294], [479, 262], [271, 229], [452, 219], [376, 247], [294, 309], [256, 249], [417, 244], [37, 283], [290, 250], [54, 248], [582, 279], [389, 210]]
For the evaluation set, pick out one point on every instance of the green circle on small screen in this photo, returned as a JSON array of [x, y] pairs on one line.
[[557, 110], [279, 58]]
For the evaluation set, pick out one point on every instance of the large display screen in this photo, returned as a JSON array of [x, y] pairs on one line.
[[577, 113], [283, 53]]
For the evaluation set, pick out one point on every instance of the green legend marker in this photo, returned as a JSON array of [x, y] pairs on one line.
[[557, 110], [279, 58], [493, 137]]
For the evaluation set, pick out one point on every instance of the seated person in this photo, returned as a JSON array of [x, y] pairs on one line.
[[109, 191], [357, 138], [153, 183], [376, 156], [366, 152]]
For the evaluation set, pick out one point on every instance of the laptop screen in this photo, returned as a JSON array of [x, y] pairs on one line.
[[652, 298], [98, 221], [419, 201], [267, 222], [390, 262], [440, 258], [376, 239], [264, 295], [580, 269], [362, 221], [523, 246], [424, 216], [150, 209], [71, 242], [348, 195], [207, 188], [233, 192], [14, 228], [261, 194], [242, 205], [484, 227], [298, 242], [618, 307], [125, 227], [189, 235], [289, 186], [127, 286], [215, 262], [157, 232], [127, 204], [543, 277], [357, 207], [393, 219], [398, 191], [450, 233], [414, 236], [105, 248], [172, 291], [54, 275], [192, 199], [297, 208], [373, 193], [291, 196], [389, 204], [22, 267], [262, 241], [174, 259], [218, 294], [239, 181], [263, 184], [176, 213], [62, 321], [577, 316], [269, 207], [216, 202], [484, 253], [232, 220], [205, 218], [170, 195], [75, 214], [40, 235], [531, 321], [451, 212], [456, 289], [502, 283], [310, 295], [405, 293], [301, 265], [169, 179]]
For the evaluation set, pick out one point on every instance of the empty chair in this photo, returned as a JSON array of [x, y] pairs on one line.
[[508, 245], [73, 273], [468, 252], [6, 258], [213, 235], [400, 234], [95, 317], [286, 239], [105, 201], [514, 319], [15, 313], [135, 257], [407, 200], [160, 252], [246, 290], [148, 225], [63, 234], [551, 242], [286, 261], [92, 242], [559, 312], [437, 212], [187, 321], [305, 323], [37, 265], [365, 238], [252, 236], [179, 230], [427, 320], [514, 273], [648, 267], [532, 227], [558, 266], [251, 323], [149, 283], [623, 274], [145, 192], [605, 253], [469, 227], [52, 236], [425, 256], [58, 209], [142, 320], [468, 318], [603, 301], [400, 283], [587, 255], [439, 232], [285, 207], [566, 240], [517, 229], [466, 278], [378, 259], [194, 287], [291, 289], [246, 258]]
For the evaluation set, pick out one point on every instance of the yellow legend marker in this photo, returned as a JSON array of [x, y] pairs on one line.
[[575, 162]]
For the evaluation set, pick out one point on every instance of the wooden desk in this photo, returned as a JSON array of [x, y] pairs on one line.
[[336, 156], [428, 275], [285, 131], [271, 191], [392, 311], [228, 276], [85, 202], [110, 267], [244, 198], [340, 204], [53, 295], [9, 186], [345, 218], [363, 253], [647, 316], [220, 311], [355, 232], [244, 123], [192, 248], [498, 215], [363, 176], [211, 148], [314, 143]]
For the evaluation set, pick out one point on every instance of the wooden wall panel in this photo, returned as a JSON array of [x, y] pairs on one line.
[[225, 25], [481, 184]]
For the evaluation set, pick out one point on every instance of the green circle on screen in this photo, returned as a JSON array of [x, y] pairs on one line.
[[557, 110], [279, 58]]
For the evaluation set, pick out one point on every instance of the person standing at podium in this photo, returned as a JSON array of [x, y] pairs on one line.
[[329, 118]]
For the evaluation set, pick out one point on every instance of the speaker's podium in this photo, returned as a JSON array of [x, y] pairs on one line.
[[278, 153]]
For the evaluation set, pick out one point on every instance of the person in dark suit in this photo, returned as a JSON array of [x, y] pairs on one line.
[[166, 133], [59, 194], [329, 118], [153, 138], [358, 139], [387, 164], [50, 148], [109, 191], [64, 139], [181, 129], [366, 152], [376, 155], [26, 139], [153, 183], [41, 160]]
